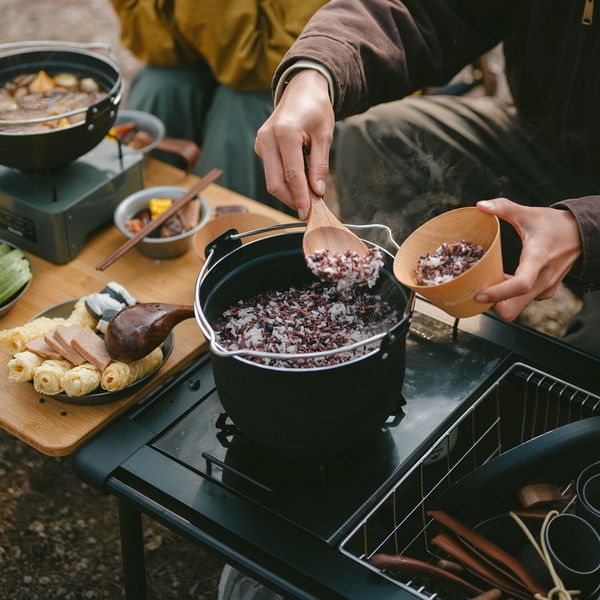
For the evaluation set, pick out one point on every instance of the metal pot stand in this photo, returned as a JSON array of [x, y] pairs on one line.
[[306, 527]]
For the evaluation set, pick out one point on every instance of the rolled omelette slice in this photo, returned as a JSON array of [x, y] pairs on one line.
[[81, 380], [22, 367], [81, 316], [119, 375], [16, 338], [48, 376]]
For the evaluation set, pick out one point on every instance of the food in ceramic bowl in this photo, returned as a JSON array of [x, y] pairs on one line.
[[449, 260], [135, 211], [15, 275], [138, 130], [40, 95]]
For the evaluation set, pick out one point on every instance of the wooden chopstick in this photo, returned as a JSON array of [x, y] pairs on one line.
[[209, 178]]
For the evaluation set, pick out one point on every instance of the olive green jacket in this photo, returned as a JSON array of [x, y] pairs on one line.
[[242, 41]]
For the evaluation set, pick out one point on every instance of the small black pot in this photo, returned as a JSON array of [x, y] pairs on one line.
[[54, 149], [315, 411]]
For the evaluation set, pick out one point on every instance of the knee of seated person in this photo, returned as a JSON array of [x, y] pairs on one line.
[[380, 124], [151, 84]]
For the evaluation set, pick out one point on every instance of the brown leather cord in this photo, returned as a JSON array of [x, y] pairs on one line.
[[458, 551], [537, 495], [405, 565], [490, 550]]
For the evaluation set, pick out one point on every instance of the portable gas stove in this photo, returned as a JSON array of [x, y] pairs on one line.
[[51, 213], [307, 527]]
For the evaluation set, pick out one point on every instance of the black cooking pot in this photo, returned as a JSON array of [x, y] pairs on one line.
[[314, 411], [58, 147]]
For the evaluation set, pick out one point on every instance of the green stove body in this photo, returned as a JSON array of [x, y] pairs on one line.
[[51, 214]]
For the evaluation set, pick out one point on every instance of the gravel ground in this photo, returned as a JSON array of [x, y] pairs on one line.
[[58, 537]]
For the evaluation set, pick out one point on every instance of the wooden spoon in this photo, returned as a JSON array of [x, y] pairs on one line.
[[137, 330], [324, 230]]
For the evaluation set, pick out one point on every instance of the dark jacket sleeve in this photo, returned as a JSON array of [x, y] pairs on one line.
[[381, 50], [586, 211]]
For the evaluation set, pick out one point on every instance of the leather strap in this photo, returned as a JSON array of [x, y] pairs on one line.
[[492, 594], [490, 549], [537, 495], [448, 565], [474, 565], [405, 565], [186, 149]]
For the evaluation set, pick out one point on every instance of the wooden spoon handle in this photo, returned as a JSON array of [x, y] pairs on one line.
[[138, 329], [405, 565], [319, 215]]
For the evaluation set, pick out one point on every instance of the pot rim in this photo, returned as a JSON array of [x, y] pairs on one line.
[[218, 350], [114, 94]]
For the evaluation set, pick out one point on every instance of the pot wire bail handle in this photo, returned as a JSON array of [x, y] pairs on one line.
[[209, 333], [114, 93]]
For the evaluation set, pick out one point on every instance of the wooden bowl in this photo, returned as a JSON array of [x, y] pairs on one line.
[[456, 297], [242, 221]]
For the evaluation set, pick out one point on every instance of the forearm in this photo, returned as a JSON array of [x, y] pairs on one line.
[[586, 211], [380, 50]]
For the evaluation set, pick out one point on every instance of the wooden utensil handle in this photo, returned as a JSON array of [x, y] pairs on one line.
[[489, 549], [412, 566], [186, 149]]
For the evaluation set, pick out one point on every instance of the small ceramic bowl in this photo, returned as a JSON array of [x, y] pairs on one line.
[[457, 296], [168, 247], [147, 122], [10, 302]]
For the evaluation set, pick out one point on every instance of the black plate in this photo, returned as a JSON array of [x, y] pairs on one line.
[[503, 531], [554, 457], [64, 310]]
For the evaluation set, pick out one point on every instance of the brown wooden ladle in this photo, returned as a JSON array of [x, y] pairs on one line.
[[324, 230], [137, 330]]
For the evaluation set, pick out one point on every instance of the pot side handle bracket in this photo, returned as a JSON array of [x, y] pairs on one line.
[[223, 245]]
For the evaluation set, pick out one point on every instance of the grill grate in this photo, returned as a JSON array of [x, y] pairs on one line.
[[522, 404]]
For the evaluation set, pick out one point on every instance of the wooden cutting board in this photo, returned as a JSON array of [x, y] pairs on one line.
[[58, 428]]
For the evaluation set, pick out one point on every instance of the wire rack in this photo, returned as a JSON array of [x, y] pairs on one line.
[[522, 404]]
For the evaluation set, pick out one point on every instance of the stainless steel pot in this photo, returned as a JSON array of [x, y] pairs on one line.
[[58, 147]]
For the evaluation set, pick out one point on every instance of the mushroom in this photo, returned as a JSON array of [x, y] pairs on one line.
[[7, 105], [87, 84], [66, 80], [42, 83]]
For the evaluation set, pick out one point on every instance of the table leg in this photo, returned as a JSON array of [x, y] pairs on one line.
[[132, 550]]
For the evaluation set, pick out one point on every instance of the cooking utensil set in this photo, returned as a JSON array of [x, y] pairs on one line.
[[536, 549]]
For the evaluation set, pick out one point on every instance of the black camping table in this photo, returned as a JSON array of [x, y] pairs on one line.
[[179, 460]]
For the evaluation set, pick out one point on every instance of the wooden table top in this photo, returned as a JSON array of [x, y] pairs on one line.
[[57, 428]]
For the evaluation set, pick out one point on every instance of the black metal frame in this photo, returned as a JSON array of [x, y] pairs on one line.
[[168, 492]]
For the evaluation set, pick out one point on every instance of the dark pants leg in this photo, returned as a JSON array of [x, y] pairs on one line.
[[180, 97], [584, 330], [402, 163], [221, 121], [228, 141]]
